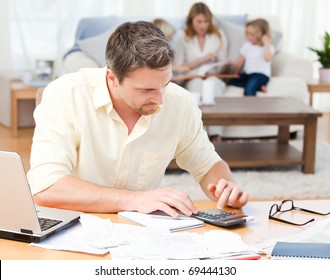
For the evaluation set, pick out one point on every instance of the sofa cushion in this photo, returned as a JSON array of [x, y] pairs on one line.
[[235, 19], [95, 46], [277, 87], [235, 36], [77, 60]]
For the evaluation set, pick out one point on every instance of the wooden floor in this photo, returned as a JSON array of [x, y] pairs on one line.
[[22, 144]]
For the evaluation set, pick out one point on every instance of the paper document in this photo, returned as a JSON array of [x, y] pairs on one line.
[[150, 243], [214, 67], [171, 224], [318, 233], [92, 235]]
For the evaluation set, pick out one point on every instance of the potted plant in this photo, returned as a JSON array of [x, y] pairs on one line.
[[324, 59]]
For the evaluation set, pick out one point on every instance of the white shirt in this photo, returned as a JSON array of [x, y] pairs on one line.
[[187, 50], [79, 133], [254, 59]]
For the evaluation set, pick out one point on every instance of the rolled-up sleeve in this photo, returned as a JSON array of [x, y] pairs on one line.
[[195, 153]]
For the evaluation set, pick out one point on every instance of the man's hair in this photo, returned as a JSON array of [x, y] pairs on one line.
[[137, 44]]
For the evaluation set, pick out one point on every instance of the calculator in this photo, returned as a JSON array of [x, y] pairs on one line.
[[221, 218]]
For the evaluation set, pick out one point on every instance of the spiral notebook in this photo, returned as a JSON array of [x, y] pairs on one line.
[[296, 250]]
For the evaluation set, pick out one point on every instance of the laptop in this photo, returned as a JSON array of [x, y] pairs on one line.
[[20, 218]]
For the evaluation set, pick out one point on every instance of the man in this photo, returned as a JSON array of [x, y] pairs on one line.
[[104, 137]]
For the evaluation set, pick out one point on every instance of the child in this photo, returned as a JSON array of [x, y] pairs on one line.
[[255, 58], [169, 30]]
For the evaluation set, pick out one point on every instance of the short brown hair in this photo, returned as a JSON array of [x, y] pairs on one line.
[[137, 44]]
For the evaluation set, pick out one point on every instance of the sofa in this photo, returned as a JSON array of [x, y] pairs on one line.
[[290, 73]]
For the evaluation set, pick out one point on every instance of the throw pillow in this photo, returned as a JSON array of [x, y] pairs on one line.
[[95, 46], [236, 19], [235, 36]]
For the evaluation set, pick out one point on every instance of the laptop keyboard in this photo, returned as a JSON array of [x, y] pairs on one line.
[[47, 223]]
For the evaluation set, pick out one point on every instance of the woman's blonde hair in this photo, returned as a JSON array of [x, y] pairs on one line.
[[196, 9], [261, 26]]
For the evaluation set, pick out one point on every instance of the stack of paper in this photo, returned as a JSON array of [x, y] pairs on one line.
[[162, 222], [149, 244], [99, 236]]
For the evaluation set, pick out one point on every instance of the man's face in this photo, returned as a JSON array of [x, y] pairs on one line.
[[143, 89]]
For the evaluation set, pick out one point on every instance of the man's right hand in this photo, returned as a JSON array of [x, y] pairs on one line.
[[168, 200]]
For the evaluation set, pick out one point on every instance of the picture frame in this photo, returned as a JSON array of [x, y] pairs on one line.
[[44, 70]]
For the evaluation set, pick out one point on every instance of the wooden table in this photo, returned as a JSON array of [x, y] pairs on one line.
[[180, 78], [260, 229], [19, 91], [279, 111], [317, 87]]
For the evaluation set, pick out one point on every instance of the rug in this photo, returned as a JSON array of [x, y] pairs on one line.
[[272, 183]]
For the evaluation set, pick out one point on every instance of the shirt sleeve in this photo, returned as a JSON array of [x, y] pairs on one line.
[[195, 153], [53, 153]]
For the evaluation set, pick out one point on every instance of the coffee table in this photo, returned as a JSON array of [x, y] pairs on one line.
[[279, 111]]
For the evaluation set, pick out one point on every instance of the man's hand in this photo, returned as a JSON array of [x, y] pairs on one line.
[[228, 193], [168, 200]]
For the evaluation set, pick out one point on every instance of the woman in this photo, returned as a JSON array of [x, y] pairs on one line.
[[199, 44]]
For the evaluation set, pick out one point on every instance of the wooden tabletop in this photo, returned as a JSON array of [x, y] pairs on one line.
[[258, 230], [263, 106], [190, 77]]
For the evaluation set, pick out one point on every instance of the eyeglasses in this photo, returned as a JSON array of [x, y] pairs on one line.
[[287, 205]]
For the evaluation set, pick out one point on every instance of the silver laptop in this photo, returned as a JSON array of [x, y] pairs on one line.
[[20, 219]]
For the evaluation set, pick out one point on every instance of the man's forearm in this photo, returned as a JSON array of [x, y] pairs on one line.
[[75, 194], [220, 170]]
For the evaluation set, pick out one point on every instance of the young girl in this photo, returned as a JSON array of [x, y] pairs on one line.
[[255, 59]]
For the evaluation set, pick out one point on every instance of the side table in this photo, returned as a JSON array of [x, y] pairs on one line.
[[19, 91], [317, 87]]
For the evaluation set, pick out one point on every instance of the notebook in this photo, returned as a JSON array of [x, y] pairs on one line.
[[161, 221], [296, 250], [19, 219]]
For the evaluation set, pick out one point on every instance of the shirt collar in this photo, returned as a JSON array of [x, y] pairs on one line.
[[101, 96]]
